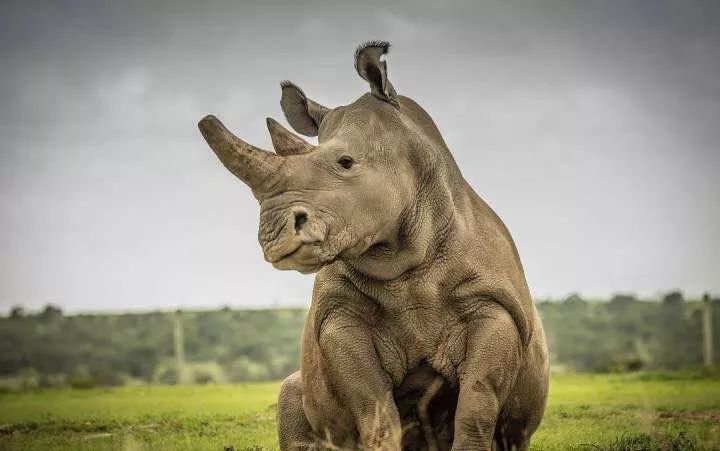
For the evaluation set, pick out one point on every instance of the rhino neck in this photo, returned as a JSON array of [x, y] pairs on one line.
[[422, 236]]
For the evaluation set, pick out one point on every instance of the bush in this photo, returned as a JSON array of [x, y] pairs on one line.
[[243, 369], [54, 380], [81, 380], [105, 378], [166, 373], [206, 372], [203, 377], [28, 378]]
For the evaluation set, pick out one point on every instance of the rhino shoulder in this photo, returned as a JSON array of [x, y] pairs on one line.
[[471, 297]]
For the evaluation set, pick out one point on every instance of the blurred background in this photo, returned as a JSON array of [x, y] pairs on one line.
[[590, 127]]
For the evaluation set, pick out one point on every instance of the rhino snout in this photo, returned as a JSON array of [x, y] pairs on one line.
[[308, 233], [297, 242]]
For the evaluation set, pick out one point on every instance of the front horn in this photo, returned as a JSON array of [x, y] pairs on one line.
[[253, 165]]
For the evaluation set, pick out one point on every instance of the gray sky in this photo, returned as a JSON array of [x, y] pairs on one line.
[[593, 129]]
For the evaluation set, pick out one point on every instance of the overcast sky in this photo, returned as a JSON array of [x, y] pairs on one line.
[[592, 128]]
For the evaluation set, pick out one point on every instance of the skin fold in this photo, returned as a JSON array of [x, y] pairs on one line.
[[422, 334]]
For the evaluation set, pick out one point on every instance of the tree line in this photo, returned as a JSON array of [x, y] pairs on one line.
[[627, 334], [49, 348]]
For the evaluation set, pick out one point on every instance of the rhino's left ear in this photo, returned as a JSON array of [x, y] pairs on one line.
[[302, 114], [371, 68]]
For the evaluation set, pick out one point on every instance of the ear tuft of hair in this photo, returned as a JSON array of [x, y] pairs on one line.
[[384, 46], [288, 84]]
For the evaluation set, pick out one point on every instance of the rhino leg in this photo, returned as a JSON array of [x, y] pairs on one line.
[[293, 428], [511, 435], [487, 377], [525, 405], [361, 389]]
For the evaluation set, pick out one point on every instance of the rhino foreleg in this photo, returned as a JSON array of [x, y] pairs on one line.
[[487, 375], [294, 431], [360, 384]]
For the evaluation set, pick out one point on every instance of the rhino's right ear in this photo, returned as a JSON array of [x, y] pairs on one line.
[[302, 114], [374, 70]]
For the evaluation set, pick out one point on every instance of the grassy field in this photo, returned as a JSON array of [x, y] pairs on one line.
[[585, 412]]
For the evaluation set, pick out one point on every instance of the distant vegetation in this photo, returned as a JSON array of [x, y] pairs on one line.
[[625, 334], [49, 348]]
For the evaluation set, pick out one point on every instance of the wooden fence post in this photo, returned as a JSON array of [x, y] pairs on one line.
[[179, 341], [708, 338]]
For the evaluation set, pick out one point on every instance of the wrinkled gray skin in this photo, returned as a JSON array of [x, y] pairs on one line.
[[421, 333]]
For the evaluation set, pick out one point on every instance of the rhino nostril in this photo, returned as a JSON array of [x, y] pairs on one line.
[[300, 220]]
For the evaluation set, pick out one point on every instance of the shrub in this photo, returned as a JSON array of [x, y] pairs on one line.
[[81, 380], [166, 373], [206, 372], [54, 380], [106, 378], [28, 378], [244, 369]]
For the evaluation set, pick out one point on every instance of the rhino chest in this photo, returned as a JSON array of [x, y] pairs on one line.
[[420, 335], [417, 325]]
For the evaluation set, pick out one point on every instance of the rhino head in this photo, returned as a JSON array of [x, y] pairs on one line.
[[361, 193]]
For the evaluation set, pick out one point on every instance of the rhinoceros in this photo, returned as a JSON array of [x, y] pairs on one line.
[[422, 333]]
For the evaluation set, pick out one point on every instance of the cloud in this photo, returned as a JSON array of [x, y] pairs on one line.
[[591, 129]]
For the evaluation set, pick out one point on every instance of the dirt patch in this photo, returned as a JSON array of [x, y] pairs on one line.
[[705, 415]]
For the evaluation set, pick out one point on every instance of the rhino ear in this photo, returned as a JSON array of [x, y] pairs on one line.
[[302, 114], [374, 70]]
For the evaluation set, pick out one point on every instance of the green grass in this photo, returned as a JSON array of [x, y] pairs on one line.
[[585, 412]]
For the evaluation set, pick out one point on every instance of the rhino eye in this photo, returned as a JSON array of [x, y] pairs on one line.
[[346, 162]]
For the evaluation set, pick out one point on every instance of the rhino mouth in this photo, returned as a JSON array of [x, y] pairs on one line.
[[304, 258], [311, 244]]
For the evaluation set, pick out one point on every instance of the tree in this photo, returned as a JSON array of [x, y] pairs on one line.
[[51, 312], [17, 311]]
